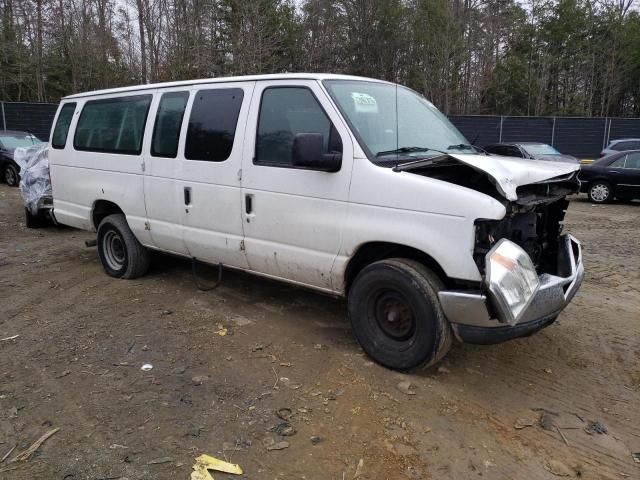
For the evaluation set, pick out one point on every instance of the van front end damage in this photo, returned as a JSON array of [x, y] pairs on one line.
[[530, 269]]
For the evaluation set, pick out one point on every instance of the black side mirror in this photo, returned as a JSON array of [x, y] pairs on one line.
[[308, 152]]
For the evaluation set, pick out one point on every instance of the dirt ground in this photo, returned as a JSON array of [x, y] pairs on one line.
[[84, 336]]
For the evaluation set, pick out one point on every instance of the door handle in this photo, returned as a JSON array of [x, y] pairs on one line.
[[248, 204], [187, 195]]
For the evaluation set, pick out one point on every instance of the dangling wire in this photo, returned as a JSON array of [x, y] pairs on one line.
[[194, 263]]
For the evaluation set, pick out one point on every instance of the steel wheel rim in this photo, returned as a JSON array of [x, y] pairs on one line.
[[10, 176], [114, 250], [394, 315], [599, 192]]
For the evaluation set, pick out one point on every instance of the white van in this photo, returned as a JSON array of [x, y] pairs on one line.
[[351, 186]]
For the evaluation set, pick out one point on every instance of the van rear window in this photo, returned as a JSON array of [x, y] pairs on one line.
[[113, 125], [60, 132], [212, 125]]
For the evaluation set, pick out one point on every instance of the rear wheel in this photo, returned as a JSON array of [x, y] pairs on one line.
[[396, 315], [11, 175], [122, 255], [600, 192]]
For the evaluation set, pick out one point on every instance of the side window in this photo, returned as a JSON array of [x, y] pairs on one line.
[[622, 146], [513, 152], [212, 124], [61, 129], [284, 113], [619, 162], [166, 131], [633, 160], [113, 125]]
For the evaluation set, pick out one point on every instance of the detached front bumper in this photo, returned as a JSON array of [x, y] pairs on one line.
[[472, 315]]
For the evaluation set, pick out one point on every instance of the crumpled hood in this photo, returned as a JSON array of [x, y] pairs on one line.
[[509, 173]]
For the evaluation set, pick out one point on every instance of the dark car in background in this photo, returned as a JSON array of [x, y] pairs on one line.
[[530, 150], [9, 141], [614, 176], [621, 145]]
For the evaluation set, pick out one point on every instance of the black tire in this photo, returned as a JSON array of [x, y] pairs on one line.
[[33, 221], [121, 254], [600, 191], [11, 175], [418, 334]]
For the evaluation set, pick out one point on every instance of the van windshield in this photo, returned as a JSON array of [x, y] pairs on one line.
[[419, 131]]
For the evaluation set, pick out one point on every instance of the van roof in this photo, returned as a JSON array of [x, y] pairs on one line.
[[246, 78]]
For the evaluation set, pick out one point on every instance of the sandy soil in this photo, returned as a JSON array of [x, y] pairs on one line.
[[84, 336]]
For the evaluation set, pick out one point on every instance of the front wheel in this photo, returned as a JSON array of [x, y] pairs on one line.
[[11, 175], [122, 255], [600, 192], [396, 315]]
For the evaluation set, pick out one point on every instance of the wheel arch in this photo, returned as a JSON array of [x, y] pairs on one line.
[[370, 252], [101, 209]]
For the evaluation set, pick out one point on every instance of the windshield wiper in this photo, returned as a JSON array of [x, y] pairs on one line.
[[466, 146], [408, 150]]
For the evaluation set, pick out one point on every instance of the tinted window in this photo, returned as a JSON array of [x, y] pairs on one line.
[[513, 152], [166, 131], [621, 146], [212, 125], [619, 162], [114, 125], [633, 160], [61, 130], [284, 113]]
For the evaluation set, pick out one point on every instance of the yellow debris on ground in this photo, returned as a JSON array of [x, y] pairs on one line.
[[204, 463]]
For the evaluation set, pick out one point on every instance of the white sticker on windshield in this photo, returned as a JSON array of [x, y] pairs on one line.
[[364, 103]]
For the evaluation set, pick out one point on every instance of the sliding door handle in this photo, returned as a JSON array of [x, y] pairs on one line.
[[248, 204], [187, 195]]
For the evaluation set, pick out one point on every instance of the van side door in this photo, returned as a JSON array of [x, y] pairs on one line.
[[163, 196], [209, 174], [293, 217]]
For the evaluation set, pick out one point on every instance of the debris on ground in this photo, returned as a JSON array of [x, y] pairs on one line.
[[443, 369], [6, 455], [523, 423], [24, 456], [146, 367], [9, 338], [406, 387], [166, 312], [596, 427], [558, 468], [222, 331], [204, 463], [270, 444], [315, 440], [64, 374], [359, 469], [198, 380], [159, 461], [284, 413], [636, 457], [285, 429], [546, 418]]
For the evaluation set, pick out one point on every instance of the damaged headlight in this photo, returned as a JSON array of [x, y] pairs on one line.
[[512, 280]]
